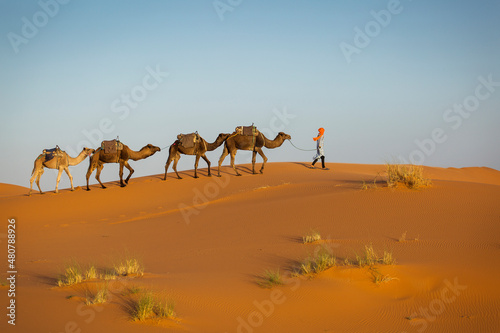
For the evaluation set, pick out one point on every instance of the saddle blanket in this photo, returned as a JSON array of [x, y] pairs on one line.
[[187, 140], [111, 146], [248, 130], [51, 153]]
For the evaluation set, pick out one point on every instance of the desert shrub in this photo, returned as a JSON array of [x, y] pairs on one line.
[[149, 306], [271, 279], [409, 175], [311, 237]]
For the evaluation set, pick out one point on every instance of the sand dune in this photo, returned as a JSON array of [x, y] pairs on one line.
[[206, 242]]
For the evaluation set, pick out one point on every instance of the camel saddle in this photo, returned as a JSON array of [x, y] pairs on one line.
[[51, 153], [188, 140], [248, 130], [111, 146]]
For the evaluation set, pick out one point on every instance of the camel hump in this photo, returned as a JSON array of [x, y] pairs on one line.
[[111, 146], [248, 130], [51, 153], [188, 140]]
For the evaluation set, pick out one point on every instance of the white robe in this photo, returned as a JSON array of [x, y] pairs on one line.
[[319, 148]]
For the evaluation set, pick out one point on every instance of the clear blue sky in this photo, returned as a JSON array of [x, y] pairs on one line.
[[384, 78]]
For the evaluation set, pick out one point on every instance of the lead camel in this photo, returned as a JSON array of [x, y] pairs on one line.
[[252, 143]]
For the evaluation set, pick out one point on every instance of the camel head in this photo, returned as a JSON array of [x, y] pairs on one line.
[[151, 148], [284, 136], [88, 151]]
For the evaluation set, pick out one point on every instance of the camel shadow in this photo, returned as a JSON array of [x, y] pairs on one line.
[[110, 184], [244, 169], [228, 170]]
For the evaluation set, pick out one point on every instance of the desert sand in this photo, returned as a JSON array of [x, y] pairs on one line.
[[205, 243]]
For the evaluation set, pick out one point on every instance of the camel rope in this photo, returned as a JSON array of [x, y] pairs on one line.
[[300, 148]]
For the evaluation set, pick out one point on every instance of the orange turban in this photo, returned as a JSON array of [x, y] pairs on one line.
[[321, 132]]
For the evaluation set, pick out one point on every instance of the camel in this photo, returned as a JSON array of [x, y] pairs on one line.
[[199, 149], [61, 161], [122, 156], [253, 143]]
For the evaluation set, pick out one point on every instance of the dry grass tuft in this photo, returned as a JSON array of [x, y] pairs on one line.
[[409, 175], [101, 296], [271, 279], [90, 273], [129, 266], [311, 237], [373, 184], [317, 264], [74, 274], [150, 306], [379, 278], [370, 258]]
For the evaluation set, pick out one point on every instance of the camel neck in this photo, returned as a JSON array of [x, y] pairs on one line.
[[277, 142], [139, 155], [78, 159], [214, 145]]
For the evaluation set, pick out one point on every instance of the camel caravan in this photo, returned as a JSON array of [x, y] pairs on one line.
[[114, 151]]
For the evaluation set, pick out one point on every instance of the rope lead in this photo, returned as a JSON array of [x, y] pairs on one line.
[[300, 148]]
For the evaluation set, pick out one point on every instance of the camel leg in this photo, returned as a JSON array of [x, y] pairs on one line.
[[221, 159], [98, 174], [233, 155], [34, 173], [70, 178], [91, 168], [89, 172], [208, 163], [36, 177], [171, 155], [254, 154], [58, 179], [125, 163], [196, 160], [40, 173], [121, 175], [264, 159], [169, 160], [33, 177], [176, 159]]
